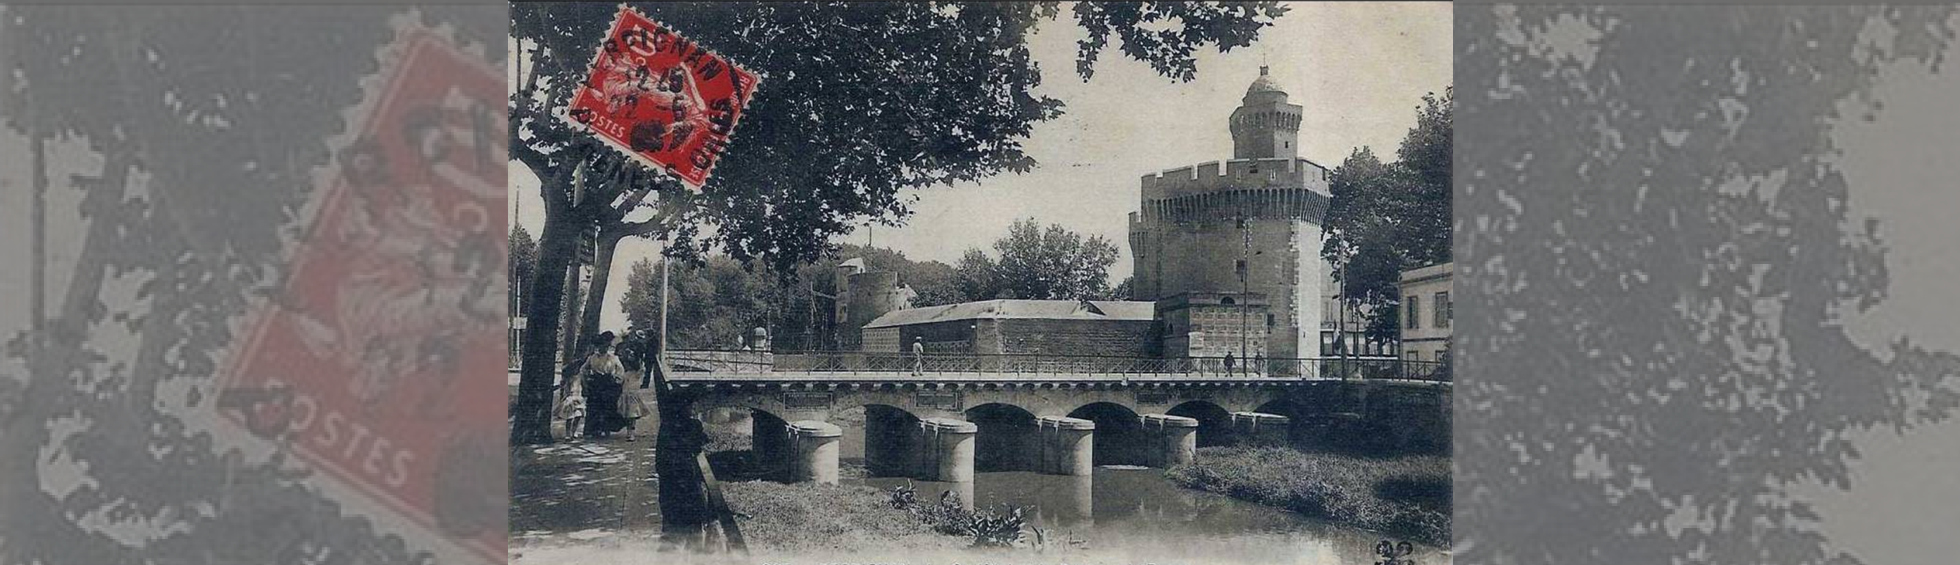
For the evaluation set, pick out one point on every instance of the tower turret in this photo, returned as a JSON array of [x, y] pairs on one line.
[[1265, 126]]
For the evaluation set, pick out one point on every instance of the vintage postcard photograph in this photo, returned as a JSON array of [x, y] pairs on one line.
[[980, 283]]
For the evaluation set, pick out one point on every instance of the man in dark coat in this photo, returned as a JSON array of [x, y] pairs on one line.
[[684, 508], [649, 352]]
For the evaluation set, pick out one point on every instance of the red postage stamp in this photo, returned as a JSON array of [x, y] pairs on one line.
[[666, 101], [372, 362]]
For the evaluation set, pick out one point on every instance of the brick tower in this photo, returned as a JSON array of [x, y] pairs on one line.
[[1231, 251]]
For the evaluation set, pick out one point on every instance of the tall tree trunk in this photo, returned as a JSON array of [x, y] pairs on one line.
[[569, 345], [565, 216], [595, 294], [556, 245]]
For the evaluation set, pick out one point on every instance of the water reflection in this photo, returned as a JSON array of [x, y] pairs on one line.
[[1137, 510]]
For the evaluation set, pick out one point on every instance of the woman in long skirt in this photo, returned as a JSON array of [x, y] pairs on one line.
[[603, 375]]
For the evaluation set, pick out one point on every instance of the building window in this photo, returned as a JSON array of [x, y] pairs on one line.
[[1414, 305], [1443, 309]]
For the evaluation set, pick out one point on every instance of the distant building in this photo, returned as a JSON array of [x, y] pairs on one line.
[[1426, 313], [1355, 320], [1248, 227], [1038, 327]]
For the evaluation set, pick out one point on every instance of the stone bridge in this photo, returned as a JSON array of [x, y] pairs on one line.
[[945, 417]]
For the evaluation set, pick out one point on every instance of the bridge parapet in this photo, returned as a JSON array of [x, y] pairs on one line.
[[754, 363]]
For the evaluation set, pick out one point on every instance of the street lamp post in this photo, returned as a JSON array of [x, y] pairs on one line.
[[1340, 322], [1245, 287], [664, 262]]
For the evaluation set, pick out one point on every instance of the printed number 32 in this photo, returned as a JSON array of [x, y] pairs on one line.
[[1393, 553]]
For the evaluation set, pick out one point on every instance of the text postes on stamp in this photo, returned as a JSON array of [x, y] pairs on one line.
[[667, 101], [369, 364]]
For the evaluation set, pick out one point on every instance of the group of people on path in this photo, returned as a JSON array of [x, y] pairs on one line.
[[593, 399]]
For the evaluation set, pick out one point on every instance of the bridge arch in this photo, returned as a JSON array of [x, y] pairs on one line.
[[1214, 421], [1301, 421], [1005, 441], [1285, 407], [891, 441], [745, 443], [1119, 438]]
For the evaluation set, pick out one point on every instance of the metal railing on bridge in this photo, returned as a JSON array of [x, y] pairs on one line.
[[754, 362]]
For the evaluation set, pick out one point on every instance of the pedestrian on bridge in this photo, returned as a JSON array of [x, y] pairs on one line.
[[918, 355], [649, 354]]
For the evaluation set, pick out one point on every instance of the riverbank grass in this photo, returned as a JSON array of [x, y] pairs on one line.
[[829, 519], [1407, 496]]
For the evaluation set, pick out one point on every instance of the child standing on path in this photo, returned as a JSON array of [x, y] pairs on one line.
[[571, 408]]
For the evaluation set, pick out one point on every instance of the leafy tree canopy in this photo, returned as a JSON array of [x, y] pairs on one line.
[[523, 254], [1386, 218], [717, 298], [1035, 263]]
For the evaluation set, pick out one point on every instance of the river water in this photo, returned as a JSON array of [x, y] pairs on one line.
[[1138, 511]]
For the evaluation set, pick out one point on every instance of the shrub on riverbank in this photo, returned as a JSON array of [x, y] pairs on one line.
[[987, 528], [1406, 496], [827, 519]]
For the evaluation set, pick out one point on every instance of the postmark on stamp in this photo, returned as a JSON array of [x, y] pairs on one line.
[[367, 365], [662, 99]]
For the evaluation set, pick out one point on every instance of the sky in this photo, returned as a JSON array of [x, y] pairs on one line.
[[1900, 508], [1358, 69]]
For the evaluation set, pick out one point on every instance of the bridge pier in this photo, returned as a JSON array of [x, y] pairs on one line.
[[1174, 439], [1066, 446], [1255, 428], [948, 449], [816, 451], [770, 450]]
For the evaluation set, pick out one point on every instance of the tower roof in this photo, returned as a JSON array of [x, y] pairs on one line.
[[1264, 83]]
